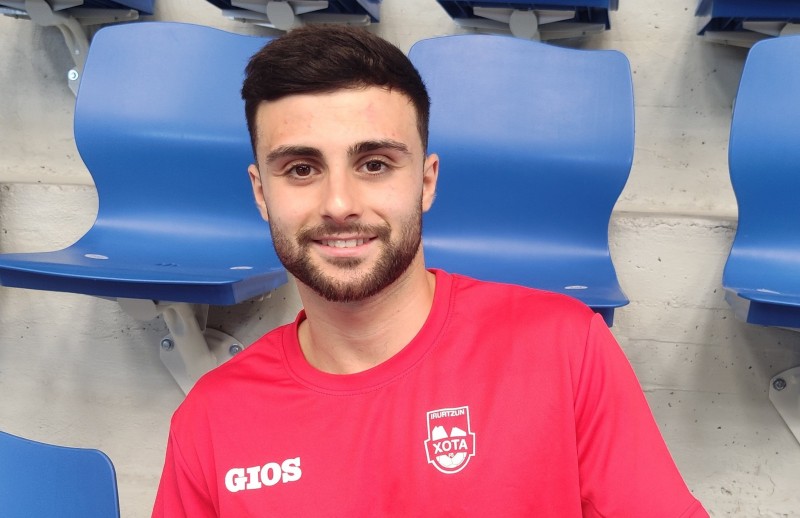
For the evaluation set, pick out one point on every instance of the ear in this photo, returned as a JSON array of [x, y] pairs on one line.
[[430, 175], [258, 191]]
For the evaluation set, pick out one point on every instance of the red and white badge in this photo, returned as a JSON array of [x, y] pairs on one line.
[[451, 443]]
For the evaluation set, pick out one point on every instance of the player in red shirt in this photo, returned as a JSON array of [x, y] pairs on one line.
[[400, 391]]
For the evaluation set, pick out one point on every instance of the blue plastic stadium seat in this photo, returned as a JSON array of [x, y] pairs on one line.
[[159, 123], [533, 19], [46, 481], [762, 273], [141, 6], [536, 144], [285, 14], [744, 22]]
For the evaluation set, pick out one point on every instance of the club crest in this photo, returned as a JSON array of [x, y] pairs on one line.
[[450, 442]]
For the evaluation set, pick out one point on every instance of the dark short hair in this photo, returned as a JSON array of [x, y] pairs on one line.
[[326, 58]]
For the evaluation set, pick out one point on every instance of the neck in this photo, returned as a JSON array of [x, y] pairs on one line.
[[345, 338]]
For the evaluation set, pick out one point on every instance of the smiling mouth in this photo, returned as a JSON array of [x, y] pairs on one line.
[[344, 243]]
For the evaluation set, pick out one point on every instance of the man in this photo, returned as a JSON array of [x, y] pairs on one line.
[[399, 391]]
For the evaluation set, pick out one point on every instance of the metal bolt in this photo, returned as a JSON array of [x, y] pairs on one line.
[[167, 344], [235, 349], [72, 75], [779, 384]]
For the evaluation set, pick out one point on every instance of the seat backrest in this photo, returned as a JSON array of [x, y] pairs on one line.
[[143, 6], [749, 10], [334, 7], [536, 144], [763, 158], [545, 4], [159, 123], [463, 8], [45, 481]]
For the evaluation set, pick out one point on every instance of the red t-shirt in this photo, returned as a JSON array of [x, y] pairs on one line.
[[508, 402]]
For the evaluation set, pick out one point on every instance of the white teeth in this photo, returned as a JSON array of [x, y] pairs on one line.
[[343, 243]]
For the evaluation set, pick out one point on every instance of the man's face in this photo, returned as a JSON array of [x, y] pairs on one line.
[[343, 181]]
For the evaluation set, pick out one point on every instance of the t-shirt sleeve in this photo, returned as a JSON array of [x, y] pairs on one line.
[[625, 467], [180, 493]]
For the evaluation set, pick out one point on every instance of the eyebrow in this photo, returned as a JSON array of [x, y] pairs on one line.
[[375, 145], [296, 151], [360, 148]]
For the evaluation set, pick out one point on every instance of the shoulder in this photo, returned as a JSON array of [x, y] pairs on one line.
[[516, 301], [551, 327]]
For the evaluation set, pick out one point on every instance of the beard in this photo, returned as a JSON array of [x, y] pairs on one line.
[[394, 259]]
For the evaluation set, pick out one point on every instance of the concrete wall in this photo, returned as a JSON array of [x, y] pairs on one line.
[[76, 370]]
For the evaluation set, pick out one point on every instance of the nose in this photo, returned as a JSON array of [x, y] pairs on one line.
[[341, 201]]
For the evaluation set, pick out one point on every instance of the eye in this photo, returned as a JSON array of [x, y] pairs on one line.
[[301, 171], [375, 166]]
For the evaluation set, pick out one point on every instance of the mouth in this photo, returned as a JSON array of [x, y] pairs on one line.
[[345, 243], [342, 240]]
